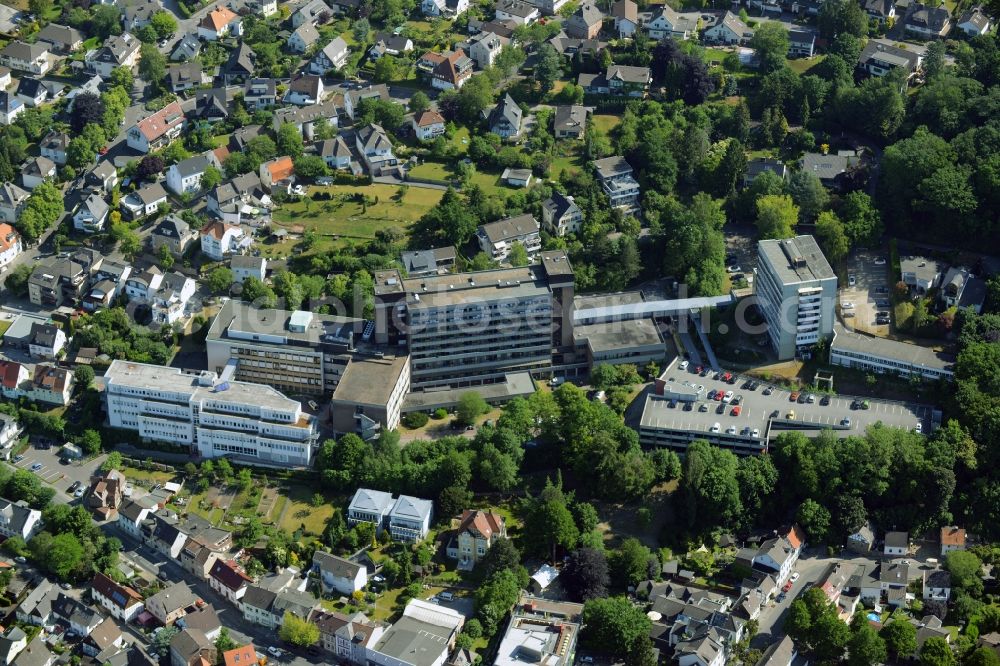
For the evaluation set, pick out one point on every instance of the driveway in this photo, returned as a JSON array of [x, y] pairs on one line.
[[869, 278]]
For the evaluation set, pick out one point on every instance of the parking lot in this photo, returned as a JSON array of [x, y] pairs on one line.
[[748, 418], [870, 293], [52, 471]]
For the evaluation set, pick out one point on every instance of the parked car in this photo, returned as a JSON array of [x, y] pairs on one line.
[[846, 422], [731, 430], [851, 280], [36, 467], [736, 410], [703, 407], [683, 365], [794, 396], [795, 576], [768, 390], [756, 433], [716, 427], [880, 261]]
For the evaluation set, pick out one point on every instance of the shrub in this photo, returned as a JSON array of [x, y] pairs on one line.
[[440, 413], [415, 420]]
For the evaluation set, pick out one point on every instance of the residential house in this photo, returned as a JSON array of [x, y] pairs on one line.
[[626, 16], [5, 78], [10, 107], [228, 200], [477, 531], [427, 125], [24, 57], [410, 518], [801, 43], [759, 165], [184, 177], [347, 637], [36, 608], [306, 117], [10, 430], [18, 519], [12, 642], [260, 94], [141, 286], [106, 493], [451, 70], [172, 603], [314, 11], [186, 76], [300, 604], [516, 177], [937, 585], [369, 506], [158, 130], [63, 39], [139, 13], [100, 296], [219, 239], [144, 201], [961, 289], [549, 629], [561, 215], [213, 105], [174, 233], [219, 23], [105, 639], [730, 30], [375, 149], [448, 8], [257, 606], [570, 122], [305, 90], [302, 38], [389, 43], [245, 655], [91, 214], [13, 378], [103, 177], [926, 22], [497, 238], [120, 601], [337, 575], [896, 544], [332, 56], [35, 654], [32, 92], [12, 200], [501, 28], [81, 619], [878, 59], [353, 98], [239, 68], [504, 119], [187, 48], [424, 627], [517, 11], [428, 262], [832, 170], [617, 80], [263, 8], [47, 340], [55, 282], [169, 304], [880, 10], [778, 556], [10, 244], [277, 173], [952, 538], [53, 146], [131, 516], [585, 23], [37, 171], [191, 647], [484, 48], [245, 266], [666, 22], [615, 176], [118, 51], [974, 22], [227, 578]]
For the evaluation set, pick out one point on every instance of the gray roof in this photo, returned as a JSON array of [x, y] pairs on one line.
[[338, 566], [308, 33], [412, 508], [589, 14], [97, 206], [931, 18], [507, 110], [509, 228], [414, 642], [150, 193], [175, 597], [60, 35], [923, 268], [295, 602], [609, 167], [40, 166], [23, 51], [888, 54], [734, 23], [977, 18], [192, 166], [30, 87], [517, 8], [796, 259], [12, 194], [937, 578], [335, 49], [915, 355], [371, 501], [897, 539], [894, 574], [35, 654], [373, 136], [559, 204], [628, 74], [570, 117], [827, 167], [172, 227], [258, 597], [184, 72], [779, 654]]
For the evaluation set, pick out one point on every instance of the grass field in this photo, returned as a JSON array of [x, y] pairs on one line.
[[147, 475], [300, 511], [605, 123], [4, 325], [803, 65], [352, 220]]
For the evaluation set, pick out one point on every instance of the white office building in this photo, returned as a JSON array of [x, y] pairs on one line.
[[212, 415], [796, 290]]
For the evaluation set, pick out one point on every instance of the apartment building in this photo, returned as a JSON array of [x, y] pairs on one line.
[[469, 329], [547, 630], [615, 176], [212, 415], [497, 238], [561, 215], [796, 291]]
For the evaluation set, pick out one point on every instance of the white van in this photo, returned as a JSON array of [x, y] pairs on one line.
[[446, 596]]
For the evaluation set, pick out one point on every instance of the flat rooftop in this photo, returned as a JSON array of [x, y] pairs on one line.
[[164, 379], [457, 288], [915, 355], [518, 384], [239, 321], [414, 642], [796, 259], [618, 335], [370, 380], [607, 300], [756, 411], [923, 268]]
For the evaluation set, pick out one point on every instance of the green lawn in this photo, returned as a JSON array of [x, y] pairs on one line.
[[4, 325], [803, 65], [432, 171], [147, 475], [346, 219], [605, 123], [564, 163], [300, 511]]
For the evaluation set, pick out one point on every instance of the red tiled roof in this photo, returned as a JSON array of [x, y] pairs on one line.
[[7, 237], [120, 595], [9, 372], [486, 523], [280, 168], [216, 229], [218, 18], [241, 656], [227, 574], [162, 121], [952, 536], [429, 118]]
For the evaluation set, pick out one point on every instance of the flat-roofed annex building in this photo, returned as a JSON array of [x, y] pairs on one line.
[[213, 417], [796, 290]]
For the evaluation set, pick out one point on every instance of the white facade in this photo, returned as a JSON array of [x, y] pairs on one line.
[[10, 244], [796, 290], [212, 417], [219, 240], [182, 178]]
